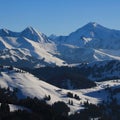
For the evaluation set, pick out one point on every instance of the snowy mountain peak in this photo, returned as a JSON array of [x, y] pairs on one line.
[[29, 30], [92, 35], [4, 32], [33, 34], [95, 24], [7, 33], [92, 26]]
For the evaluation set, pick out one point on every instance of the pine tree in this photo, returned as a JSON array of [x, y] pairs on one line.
[[5, 108]]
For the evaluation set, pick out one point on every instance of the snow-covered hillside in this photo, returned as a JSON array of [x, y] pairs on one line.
[[29, 85], [28, 47], [74, 54], [92, 42]]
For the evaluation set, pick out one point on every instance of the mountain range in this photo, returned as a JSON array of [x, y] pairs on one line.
[[92, 35], [26, 49], [33, 49]]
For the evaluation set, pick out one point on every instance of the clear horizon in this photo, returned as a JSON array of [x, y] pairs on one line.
[[58, 17]]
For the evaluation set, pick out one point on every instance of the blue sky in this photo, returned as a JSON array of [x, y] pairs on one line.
[[58, 16]]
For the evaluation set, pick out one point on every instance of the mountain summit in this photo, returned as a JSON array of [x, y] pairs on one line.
[[92, 25], [33, 34], [92, 35], [29, 33]]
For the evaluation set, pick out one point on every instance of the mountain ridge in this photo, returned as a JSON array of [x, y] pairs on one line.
[[90, 43], [26, 49], [91, 35]]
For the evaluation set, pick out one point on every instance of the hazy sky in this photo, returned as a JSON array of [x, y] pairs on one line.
[[58, 16]]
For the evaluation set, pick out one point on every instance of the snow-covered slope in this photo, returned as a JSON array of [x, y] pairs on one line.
[[29, 85], [100, 92], [92, 42], [28, 47], [74, 54]]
